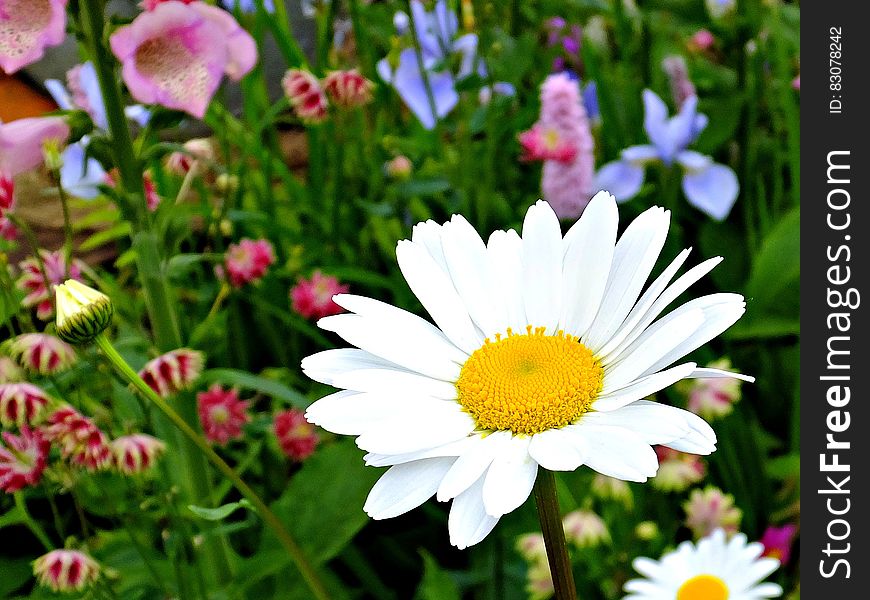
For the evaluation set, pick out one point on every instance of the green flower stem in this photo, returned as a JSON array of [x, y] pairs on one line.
[[67, 224], [32, 525], [554, 535], [269, 517]]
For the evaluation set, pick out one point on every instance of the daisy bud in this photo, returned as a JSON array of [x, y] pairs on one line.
[[647, 530], [7, 193], [41, 353], [296, 436], [32, 280], [777, 542], [399, 167], [222, 414], [611, 488], [585, 529], [714, 397], [21, 404], [248, 261], [172, 372], [79, 439], [531, 547], [9, 371], [82, 312], [136, 453], [51, 155], [677, 470], [152, 198], [66, 570], [227, 183], [8, 231], [539, 581], [312, 298], [709, 509], [22, 459], [305, 94], [196, 152], [348, 89]]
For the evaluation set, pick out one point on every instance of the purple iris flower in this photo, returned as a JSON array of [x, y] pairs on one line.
[[247, 6], [708, 186]]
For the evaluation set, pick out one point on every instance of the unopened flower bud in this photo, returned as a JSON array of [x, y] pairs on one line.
[[82, 312], [51, 155]]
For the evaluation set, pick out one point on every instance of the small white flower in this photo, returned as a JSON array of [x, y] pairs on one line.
[[715, 569], [540, 355]]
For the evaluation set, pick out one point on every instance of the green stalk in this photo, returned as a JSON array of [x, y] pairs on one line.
[[269, 518], [554, 535], [67, 224], [34, 527]]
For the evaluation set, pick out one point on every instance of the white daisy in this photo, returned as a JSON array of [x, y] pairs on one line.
[[715, 569], [541, 352]]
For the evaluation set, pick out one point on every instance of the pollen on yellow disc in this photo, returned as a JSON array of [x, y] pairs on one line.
[[703, 587], [528, 383]]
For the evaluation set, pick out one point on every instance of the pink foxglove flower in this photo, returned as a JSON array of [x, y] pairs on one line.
[[172, 372], [32, 281], [66, 570], [27, 28], [22, 459], [79, 439], [348, 89], [21, 404], [714, 397], [777, 542], [196, 152], [136, 453], [566, 184], [585, 529], [176, 54], [296, 436], [21, 141], [710, 509], [41, 353], [677, 470], [248, 261], [222, 414], [312, 298], [306, 95], [10, 372]]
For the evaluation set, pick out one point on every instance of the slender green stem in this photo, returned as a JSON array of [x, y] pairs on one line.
[[32, 525], [554, 535], [67, 225], [271, 520]]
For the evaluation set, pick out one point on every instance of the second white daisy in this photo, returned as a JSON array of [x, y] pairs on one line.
[[542, 350]]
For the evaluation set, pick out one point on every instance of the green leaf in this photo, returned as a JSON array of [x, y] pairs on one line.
[[269, 387], [784, 467], [769, 327], [422, 187], [121, 230], [221, 512], [777, 267], [437, 584], [16, 572]]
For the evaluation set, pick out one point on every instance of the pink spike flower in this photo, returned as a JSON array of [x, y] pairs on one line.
[[27, 28], [677, 470], [248, 261], [172, 372], [348, 89], [777, 542], [33, 283], [177, 54], [22, 459], [79, 439], [136, 453], [296, 436], [566, 183], [312, 298], [22, 140], [710, 509], [222, 414], [21, 404], [41, 353], [66, 570], [306, 95]]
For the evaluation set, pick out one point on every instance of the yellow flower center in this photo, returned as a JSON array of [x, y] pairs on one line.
[[703, 587], [528, 383]]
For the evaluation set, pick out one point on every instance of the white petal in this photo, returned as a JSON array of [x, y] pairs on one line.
[[352, 413], [428, 234], [589, 246], [616, 452], [701, 438], [434, 288], [455, 448], [557, 450], [542, 267], [633, 259], [471, 273], [432, 425], [395, 381], [707, 373], [641, 388], [473, 463], [510, 478], [656, 342], [468, 522], [669, 295], [405, 487], [505, 249], [654, 423], [325, 366], [766, 590], [416, 348]]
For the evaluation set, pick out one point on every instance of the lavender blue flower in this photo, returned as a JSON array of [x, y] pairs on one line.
[[708, 186], [247, 6]]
